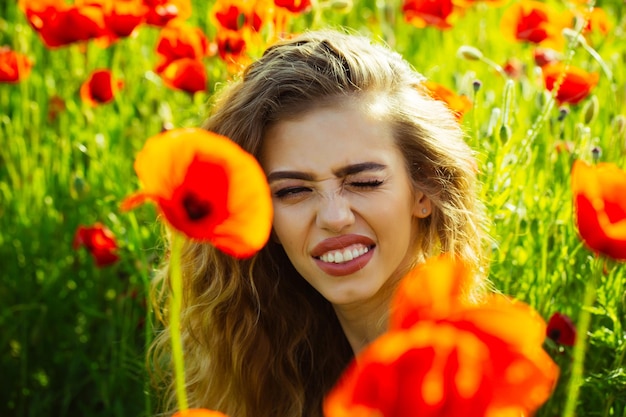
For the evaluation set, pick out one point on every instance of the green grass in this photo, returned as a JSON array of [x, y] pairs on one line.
[[73, 337]]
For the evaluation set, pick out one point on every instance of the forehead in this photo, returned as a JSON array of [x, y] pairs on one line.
[[327, 138]]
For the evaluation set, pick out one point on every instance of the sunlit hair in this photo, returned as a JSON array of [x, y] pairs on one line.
[[259, 340]]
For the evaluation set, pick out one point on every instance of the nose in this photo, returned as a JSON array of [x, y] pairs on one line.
[[334, 212]]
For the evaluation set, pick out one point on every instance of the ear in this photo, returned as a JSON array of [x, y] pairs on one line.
[[422, 206]]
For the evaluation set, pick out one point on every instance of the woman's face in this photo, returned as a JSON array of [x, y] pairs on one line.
[[344, 206]]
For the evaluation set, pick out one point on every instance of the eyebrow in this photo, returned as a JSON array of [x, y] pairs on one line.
[[341, 172]]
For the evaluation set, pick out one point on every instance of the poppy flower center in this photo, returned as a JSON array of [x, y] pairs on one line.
[[196, 208], [554, 334]]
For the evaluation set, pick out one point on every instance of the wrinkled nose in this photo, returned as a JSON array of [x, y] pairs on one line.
[[334, 213]]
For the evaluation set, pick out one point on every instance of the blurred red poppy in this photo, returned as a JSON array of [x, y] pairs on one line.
[[535, 22], [207, 187], [545, 56], [59, 24], [14, 66], [294, 6], [458, 360], [99, 241], [161, 12], [231, 46], [600, 207], [561, 329], [100, 88], [514, 68], [577, 83], [422, 13], [185, 74], [459, 104], [122, 17], [178, 41], [198, 412], [237, 14]]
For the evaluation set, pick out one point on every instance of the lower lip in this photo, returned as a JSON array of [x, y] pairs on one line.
[[345, 268]]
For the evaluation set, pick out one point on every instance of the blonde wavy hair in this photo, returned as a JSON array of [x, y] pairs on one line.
[[259, 341]]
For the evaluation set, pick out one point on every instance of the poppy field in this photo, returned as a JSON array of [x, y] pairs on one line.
[[539, 86]]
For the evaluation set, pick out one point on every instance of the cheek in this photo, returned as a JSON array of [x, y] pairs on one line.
[[287, 231]]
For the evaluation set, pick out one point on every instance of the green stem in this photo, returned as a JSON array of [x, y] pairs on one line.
[[175, 307], [584, 321]]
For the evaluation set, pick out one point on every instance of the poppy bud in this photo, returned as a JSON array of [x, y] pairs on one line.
[[505, 133], [470, 53], [591, 109], [596, 153], [341, 6], [476, 85]]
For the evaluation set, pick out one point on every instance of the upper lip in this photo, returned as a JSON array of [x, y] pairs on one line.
[[340, 242]]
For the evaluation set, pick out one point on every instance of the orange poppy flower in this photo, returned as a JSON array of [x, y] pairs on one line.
[[294, 6], [99, 241], [535, 22], [59, 24], [14, 66], [178, 41], [198, 412], [161, 12], [460, 360], [207, 187], [422, 13], [600, 207], [185, 74], [576, 85], [100, 88], [459, 104], [597, 21]]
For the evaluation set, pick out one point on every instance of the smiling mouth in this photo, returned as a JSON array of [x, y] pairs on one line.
[[345, 255]]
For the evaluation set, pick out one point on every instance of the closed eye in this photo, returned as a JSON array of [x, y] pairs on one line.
[[288, 192], [364, 185]]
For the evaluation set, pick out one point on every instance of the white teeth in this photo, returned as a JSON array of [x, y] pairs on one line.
[[341, 256]]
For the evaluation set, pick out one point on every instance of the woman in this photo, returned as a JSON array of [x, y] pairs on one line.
[[369, 176]]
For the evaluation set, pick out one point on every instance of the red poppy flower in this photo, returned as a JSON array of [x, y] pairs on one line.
[[545, 56], [600, 207], [459, 104], [535, 22], [14, 67], [178, 41], [59, 24], [458, 360], [99, 241], [198, 412], [100, 88], [422, 13], [514, 68], [161, 12], [576, 85], [294, 6], [124, 16], [238, 14], [185, 74], [207, 187], [561, 329], [231, 46]]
